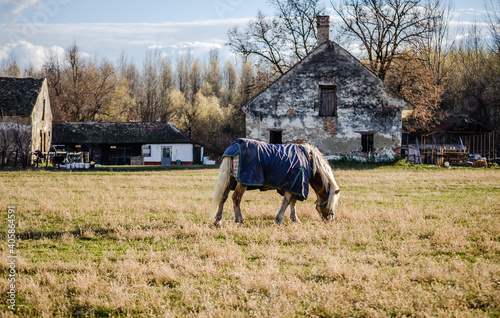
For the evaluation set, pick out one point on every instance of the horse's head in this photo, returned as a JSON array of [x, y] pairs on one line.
[[327, 202], [323, 183]]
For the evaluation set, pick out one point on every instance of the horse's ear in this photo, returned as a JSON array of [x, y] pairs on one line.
[[337, 191]]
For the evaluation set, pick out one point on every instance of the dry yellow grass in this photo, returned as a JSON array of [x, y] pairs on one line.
[[405, 242]]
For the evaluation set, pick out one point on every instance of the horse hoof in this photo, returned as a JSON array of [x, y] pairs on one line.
[[217, 223]]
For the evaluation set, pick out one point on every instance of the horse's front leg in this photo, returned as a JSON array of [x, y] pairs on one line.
[[287, 198], [237, 195], [293, 214]]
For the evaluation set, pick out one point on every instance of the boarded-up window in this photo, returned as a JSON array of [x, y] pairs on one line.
[[328, 100], [367, 142]]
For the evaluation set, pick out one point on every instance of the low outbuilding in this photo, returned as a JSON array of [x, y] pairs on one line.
[[148, 143]]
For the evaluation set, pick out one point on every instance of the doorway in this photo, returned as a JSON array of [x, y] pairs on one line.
[[166, 155]]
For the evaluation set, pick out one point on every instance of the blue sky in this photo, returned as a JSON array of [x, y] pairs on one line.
[[30, 29]]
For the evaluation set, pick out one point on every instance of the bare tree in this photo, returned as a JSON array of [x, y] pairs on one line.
[[229, 85], [102, 82], [213, 74], [434, 49], [195, 80], [473, 87], [52, 70], [149, 99], [21, 137], [184, 63], [280, 41], [153, 98], [76, 89], [493, 15], [4, 142], [13, 69], [387, 27]]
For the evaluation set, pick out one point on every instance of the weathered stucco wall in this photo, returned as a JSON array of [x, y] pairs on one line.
[[41, 119], [182, 152], [365, 104]]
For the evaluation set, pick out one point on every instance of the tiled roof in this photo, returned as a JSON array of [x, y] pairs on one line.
[[117, 133], [18, 95]]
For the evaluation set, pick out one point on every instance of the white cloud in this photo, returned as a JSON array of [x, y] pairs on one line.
[[26, 53], [30, 42], [5, 51], [109, 40]]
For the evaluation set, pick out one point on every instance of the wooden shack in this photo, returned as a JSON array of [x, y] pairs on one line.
[[461, 141]]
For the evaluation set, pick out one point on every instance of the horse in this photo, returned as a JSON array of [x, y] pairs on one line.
[[301, 165]]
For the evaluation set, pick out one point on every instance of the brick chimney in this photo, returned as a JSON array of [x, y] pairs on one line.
[[323, 28]]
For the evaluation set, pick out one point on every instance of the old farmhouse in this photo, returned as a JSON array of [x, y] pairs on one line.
[[331, 100], [25, 118], [148, 143]]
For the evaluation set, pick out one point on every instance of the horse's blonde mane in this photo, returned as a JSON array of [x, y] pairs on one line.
[[320, 165]]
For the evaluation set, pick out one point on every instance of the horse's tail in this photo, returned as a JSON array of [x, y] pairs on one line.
[[222, 184]]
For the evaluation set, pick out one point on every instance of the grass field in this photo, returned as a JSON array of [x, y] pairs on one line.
[[405, 242]]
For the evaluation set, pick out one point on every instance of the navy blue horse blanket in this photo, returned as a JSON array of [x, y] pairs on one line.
[[268, 166]]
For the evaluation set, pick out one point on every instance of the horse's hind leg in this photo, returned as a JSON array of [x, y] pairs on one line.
[[287, 198], [237, 195], [218, 217], [293, 214]]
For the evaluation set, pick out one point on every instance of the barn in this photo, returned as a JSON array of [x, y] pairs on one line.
[[331, 100], [148, 143], [25, 118]]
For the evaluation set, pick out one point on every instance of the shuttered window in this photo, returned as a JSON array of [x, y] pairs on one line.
[[328, 101]]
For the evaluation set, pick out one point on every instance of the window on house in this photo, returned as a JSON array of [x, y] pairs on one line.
[[328, 100], [367, 142], [276, 137], [146, 151]]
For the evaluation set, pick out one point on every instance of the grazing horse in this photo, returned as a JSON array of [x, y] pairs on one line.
[[290, 169]]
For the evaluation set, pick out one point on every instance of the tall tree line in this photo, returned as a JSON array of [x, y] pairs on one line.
[[202, 97]]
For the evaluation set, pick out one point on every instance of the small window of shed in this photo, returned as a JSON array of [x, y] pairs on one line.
[[146, 151], [328, 100]]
